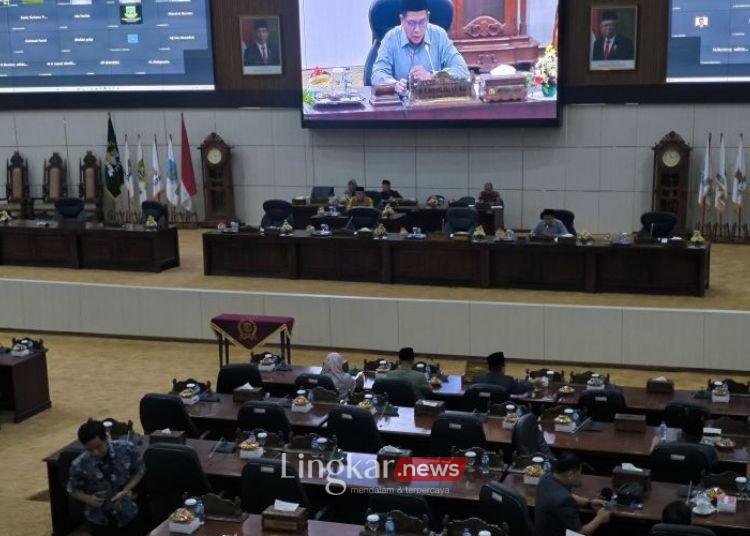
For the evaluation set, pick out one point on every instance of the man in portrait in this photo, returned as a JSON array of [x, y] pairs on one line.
[[262, 51], [611, 45]]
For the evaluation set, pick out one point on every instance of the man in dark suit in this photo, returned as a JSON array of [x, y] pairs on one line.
[[497, 376], [612, 46], [262, 51]]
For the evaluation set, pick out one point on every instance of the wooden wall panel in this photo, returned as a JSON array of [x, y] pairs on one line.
[[651, 60], [227, 48]]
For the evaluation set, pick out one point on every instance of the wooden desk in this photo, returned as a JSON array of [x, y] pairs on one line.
[[601, 267], [253, 527], [90, 245], [24, 386], [464, 492]]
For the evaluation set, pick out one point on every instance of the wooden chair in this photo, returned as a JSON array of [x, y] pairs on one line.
[[17, 200], [474, 525], [405, 524], [375, 363], [557, 377], [178, 387], [54, 186], [496, 459], [90, 187], [583, 377], [499, 410], [273, 441]]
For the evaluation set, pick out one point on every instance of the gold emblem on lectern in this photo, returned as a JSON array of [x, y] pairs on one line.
[[247, 330]]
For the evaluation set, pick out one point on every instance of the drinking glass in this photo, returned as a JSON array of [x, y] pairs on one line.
[[262, 436], [373, 522], [471, 458]]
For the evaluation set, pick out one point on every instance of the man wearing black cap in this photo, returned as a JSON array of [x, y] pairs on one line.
[[416, 50], [359, 199], [611, 46], [262, 51], [549, 226], [405, 371], [497, 376]]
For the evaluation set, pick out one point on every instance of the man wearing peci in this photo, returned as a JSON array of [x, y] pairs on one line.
[[261, 51], [611, 46], [416, 49]]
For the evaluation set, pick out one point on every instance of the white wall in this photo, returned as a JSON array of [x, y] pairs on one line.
[[598, 163], [541, 20], [336, 33]]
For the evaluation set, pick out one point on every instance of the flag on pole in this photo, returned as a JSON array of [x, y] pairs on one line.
[[720, 199], [188, 189], [704, 189], [140, 172], [157, 185], [128, 170], [738, 177], [113, 168], [173, 181]]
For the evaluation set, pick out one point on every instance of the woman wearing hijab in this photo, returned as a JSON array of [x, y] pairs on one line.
[[333, 366]]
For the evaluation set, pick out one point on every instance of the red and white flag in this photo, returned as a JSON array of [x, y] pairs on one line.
[[188, 189]]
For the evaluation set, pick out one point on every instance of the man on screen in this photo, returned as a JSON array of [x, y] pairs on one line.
[[611, 46], [262, 51], [416, 49]]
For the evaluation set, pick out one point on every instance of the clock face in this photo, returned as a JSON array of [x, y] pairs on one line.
[[214, 156], [671, 158]]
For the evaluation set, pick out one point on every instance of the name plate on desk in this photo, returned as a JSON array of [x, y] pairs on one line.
[[630, 423]]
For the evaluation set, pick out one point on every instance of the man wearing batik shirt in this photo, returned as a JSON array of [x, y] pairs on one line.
[[103, 479]]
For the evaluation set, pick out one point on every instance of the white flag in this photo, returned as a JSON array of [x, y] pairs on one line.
[[140, 172], [173, 181], [738, 177], [128, 170], [720, 200], [157, 185], [704, 188]]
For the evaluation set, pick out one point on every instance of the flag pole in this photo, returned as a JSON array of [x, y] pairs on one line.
[[158, 194]]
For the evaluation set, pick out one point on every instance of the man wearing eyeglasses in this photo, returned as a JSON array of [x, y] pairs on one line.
[[416, 50]]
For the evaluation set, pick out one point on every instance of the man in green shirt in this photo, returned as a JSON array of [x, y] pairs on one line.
[[405, 371]]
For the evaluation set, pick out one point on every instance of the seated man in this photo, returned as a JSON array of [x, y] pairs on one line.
[[549, 226], [103, 478], [677, 513], [416, 50], [388, 194], [405, 371], [557, 507], [490, 196], [359, 199], [497, 376]]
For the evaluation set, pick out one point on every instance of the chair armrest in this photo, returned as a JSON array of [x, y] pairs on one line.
[[320, 513]]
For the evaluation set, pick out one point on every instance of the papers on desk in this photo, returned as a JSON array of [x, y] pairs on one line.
[[284, 506], [630, 468]]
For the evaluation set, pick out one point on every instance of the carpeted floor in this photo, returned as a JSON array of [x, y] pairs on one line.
[[98, 377], [729, 288]]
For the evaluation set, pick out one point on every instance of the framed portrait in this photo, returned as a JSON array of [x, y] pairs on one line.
[[260, 37], [614, 38]]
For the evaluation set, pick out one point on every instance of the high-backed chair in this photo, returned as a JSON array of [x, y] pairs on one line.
[[234, 375], [70, 209], [384, 15], [527, 439], [500, 504], [159, 411], [568, 218], [466, 201], [90, 187], [363, 217], [307, 380], [687, 416], [355, 429], [602, 405], [75, 507], [480, 395], [679, 462], [159, 212], [377, 197], [17, 201], [658, 224], [276, 211], [267, 415], [172, 471], [263, 483], [54, 187], [665, 529], [453, 431], [400, 392], [460, 220]]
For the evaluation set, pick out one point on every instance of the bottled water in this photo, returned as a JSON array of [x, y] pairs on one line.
[[390, 526], [663, 431]]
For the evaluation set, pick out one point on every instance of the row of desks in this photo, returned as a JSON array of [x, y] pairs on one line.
[[229, 467], [89, 245], [637, 398], [607, 444], [600, 267], [253, 526]]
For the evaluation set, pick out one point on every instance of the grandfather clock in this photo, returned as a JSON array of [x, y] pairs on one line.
[[671, 177], [218, 187]]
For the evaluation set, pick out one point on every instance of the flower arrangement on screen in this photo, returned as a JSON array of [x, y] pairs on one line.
[[544, 73]]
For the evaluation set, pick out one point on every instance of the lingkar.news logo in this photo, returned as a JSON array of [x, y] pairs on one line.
[[339, 473]]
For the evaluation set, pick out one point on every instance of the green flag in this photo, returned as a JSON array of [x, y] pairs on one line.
[[114, 176]]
